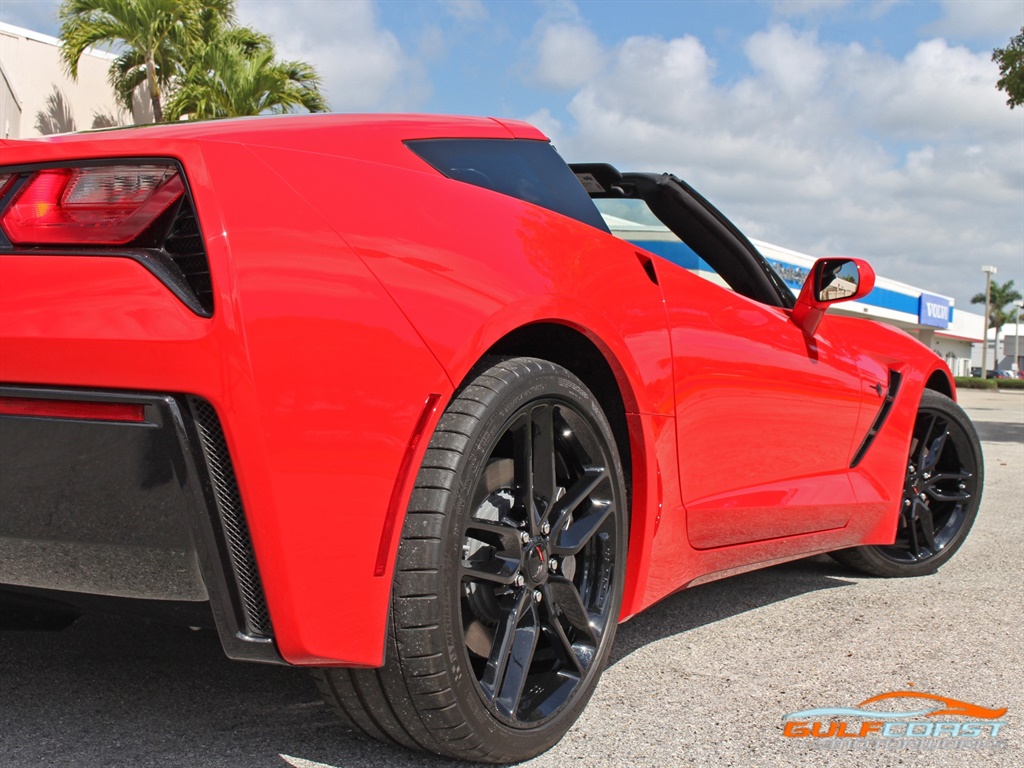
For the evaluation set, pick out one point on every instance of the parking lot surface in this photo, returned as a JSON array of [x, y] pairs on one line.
[[703, 678]]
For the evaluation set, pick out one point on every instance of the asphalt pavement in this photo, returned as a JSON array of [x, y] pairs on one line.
[[704, 678]]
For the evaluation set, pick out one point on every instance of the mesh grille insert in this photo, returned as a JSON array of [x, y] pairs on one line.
[[232, 517], [184, 244]]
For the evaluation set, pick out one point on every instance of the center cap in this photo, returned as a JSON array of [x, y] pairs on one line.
[[536, 563]]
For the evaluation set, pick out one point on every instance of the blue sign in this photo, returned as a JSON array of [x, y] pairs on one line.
[[936, 311]]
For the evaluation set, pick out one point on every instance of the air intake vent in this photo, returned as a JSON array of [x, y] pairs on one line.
[[232, 518], [883, 413], [184, 244]]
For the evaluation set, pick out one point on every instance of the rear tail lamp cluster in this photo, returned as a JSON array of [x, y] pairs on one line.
[[99, 205]]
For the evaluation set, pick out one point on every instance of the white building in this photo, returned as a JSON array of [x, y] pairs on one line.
[[1009, 356], [37, 93]]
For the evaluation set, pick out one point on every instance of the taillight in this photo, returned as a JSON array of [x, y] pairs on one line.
[[100, 205]]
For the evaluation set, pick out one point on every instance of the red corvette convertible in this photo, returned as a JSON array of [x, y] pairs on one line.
[[386, 398]]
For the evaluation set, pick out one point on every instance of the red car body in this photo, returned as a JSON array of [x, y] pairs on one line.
[[273, 420], [355, 288]]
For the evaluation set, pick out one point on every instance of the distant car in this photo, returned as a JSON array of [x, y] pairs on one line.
[[385, 398]]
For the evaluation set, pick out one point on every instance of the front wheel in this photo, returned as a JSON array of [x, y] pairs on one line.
[[509, 575], [941, 495]]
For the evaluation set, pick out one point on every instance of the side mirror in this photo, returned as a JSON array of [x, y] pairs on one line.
[[831, 281]]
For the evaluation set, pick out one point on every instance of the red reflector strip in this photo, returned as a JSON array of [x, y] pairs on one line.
[[391, 518], [72, 409]]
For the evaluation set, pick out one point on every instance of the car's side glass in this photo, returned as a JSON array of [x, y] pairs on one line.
[[631, 219], [526, 169]]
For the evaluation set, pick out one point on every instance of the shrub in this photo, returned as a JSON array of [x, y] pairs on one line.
[[973, 382]]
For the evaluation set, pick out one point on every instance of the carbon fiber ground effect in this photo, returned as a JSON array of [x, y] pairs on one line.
[[232, 516]]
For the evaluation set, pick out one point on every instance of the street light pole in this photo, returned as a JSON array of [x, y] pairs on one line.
[[1016, 336], [989, 270]]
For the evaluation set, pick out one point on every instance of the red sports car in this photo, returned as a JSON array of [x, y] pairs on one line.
[[386, 397]]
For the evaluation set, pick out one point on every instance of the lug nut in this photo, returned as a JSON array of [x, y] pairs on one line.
[[552, 565], [906, 502], [520, 580], [922, 497], [537, 596], [545, 528], [524, 537]]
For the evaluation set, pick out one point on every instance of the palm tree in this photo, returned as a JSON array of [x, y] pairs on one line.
[[153, 36], [236, 73], [57, 117], [1000, 296]]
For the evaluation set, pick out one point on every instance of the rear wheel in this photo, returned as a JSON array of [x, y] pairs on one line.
[[941, 495], [509, 574]]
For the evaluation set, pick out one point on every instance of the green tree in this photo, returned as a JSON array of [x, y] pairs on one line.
[[153, 35], [1011, 70], [1001, 310], [235, 72]]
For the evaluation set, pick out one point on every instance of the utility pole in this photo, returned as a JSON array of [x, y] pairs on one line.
[[989, 270]]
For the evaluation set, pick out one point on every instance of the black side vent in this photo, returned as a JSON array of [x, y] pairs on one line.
[[232, 519], [184, 244], [883, 414]]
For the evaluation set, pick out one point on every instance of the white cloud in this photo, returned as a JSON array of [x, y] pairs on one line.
[[912, 162], [567, 55], [465, 10], [979, 19], [792, 64], [362, 65], [806, 7]]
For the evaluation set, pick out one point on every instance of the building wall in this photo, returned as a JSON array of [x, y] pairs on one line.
[[32, 67]]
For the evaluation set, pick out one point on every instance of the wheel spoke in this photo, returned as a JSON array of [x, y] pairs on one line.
[[927, 525], [567, 599], [934, 444], [915, 547], [517, 668], [922, 433], [577, 493], [580, 657], [544, 484], [574, 537], [498, 570], [504, 538], [501, 651], [522, 459], [950, 493]]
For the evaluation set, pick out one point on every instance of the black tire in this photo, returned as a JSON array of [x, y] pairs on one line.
[[941, 495], [493, 652]]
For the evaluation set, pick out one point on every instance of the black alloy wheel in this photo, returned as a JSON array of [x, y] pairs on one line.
[[941, 494], [539, 555], [509, 576]]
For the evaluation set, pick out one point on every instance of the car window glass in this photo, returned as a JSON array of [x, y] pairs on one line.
[[632, 220], [526, 169]]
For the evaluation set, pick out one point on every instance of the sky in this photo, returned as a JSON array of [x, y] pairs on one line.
[[868, 128]]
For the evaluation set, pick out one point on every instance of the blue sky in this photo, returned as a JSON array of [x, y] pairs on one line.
[[866, 128]]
